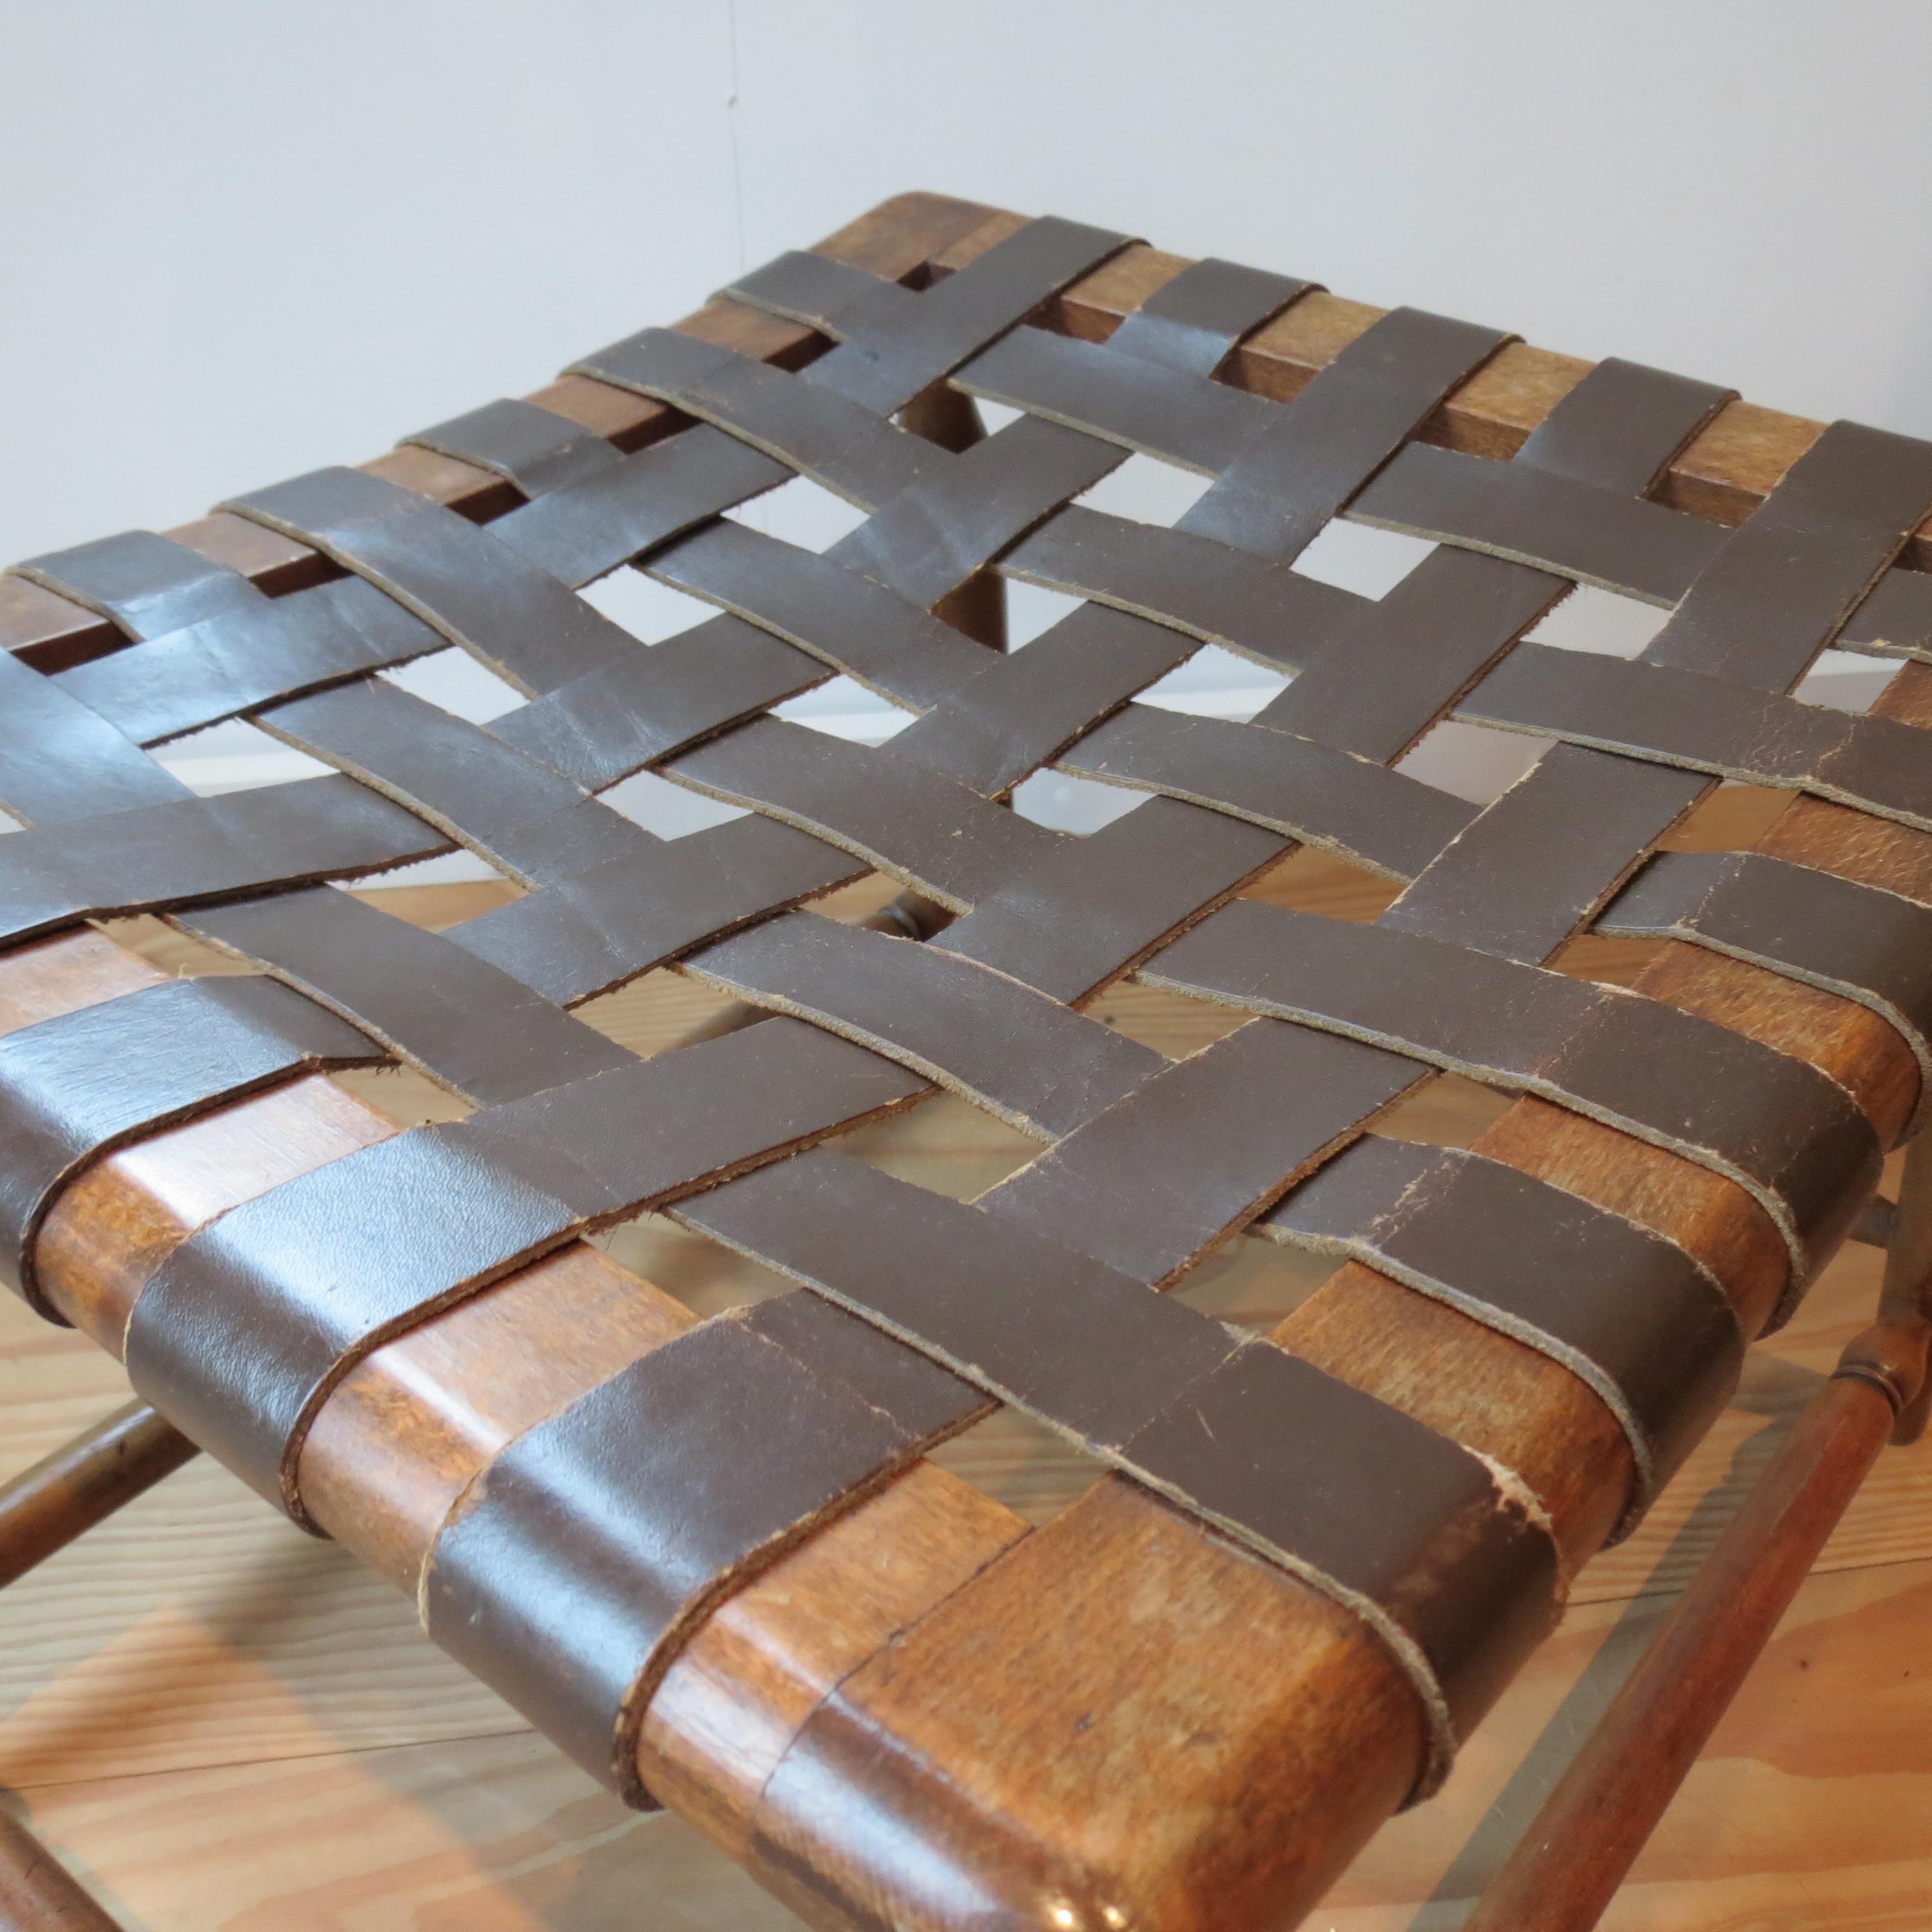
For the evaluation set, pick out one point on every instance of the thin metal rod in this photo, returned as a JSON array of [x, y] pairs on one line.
[[1564, 1873], [44, 1508]]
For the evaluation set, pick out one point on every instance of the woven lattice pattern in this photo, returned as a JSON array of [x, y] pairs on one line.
[[919, 1310]]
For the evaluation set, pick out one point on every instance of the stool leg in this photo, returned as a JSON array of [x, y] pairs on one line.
[[36, 1894], [1569, 1864], [44, 1508]]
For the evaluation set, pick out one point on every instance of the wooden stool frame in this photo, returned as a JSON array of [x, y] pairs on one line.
[[837, 1711]]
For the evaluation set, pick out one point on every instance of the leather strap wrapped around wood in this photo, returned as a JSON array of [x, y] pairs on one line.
[[75, 1088], [534, 448], [1631, 1313], [254, 1317], [1858, 941], [1791, 1137], [1450, 1571], [681, 1476]]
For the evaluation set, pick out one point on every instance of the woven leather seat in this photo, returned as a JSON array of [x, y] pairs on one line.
[[1403, 1518]]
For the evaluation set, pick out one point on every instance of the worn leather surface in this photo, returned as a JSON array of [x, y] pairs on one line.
[[256, 1316], [75, 1088], [1451, 1569], [583, 1555], [1658, 1341], [1785, 1132], [743, 1433], [1858, 941]]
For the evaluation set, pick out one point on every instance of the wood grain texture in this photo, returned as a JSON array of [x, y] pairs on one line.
[[227, 1726], [1048, 1745]]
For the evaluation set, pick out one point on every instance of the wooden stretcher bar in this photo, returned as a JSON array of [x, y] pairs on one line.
[[928, 1715]]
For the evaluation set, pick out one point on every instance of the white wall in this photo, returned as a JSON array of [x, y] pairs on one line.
[[248, 239], [245, 239]]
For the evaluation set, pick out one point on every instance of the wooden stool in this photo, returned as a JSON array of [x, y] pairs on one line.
[[713, 1557]]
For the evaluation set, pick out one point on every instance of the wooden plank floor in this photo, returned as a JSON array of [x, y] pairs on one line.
[[220, 1723]]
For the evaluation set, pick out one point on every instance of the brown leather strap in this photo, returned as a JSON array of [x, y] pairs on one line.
[[1896, 620], [1858, 941], [1253, 606], [211, 644], [610, 724], [1087, 910], [197, 850], [685, 1474], [1019, 1054], [931, 538], [935, 836], [254, 1317], [1787, 579], [74, 1087], [1506, 886], [1196, 320], [1321, 448], [534, 448], [464, 1022], [1020, 710], [524, 817], [1387, 668], [1601, 536], [1680, 717], [1786, 1133], [1654, 1335], [1404, 659], [810, 428], [1390, 823], [1123, 398], [894, 347], [581, 530], [145, 584], [60, 759], [1449, 1571], [1194, 1153], [520, 622], [854, 624], [585, 934]]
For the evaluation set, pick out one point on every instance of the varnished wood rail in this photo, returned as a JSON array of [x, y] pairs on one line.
[[44, 1508], [927, 1711]]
